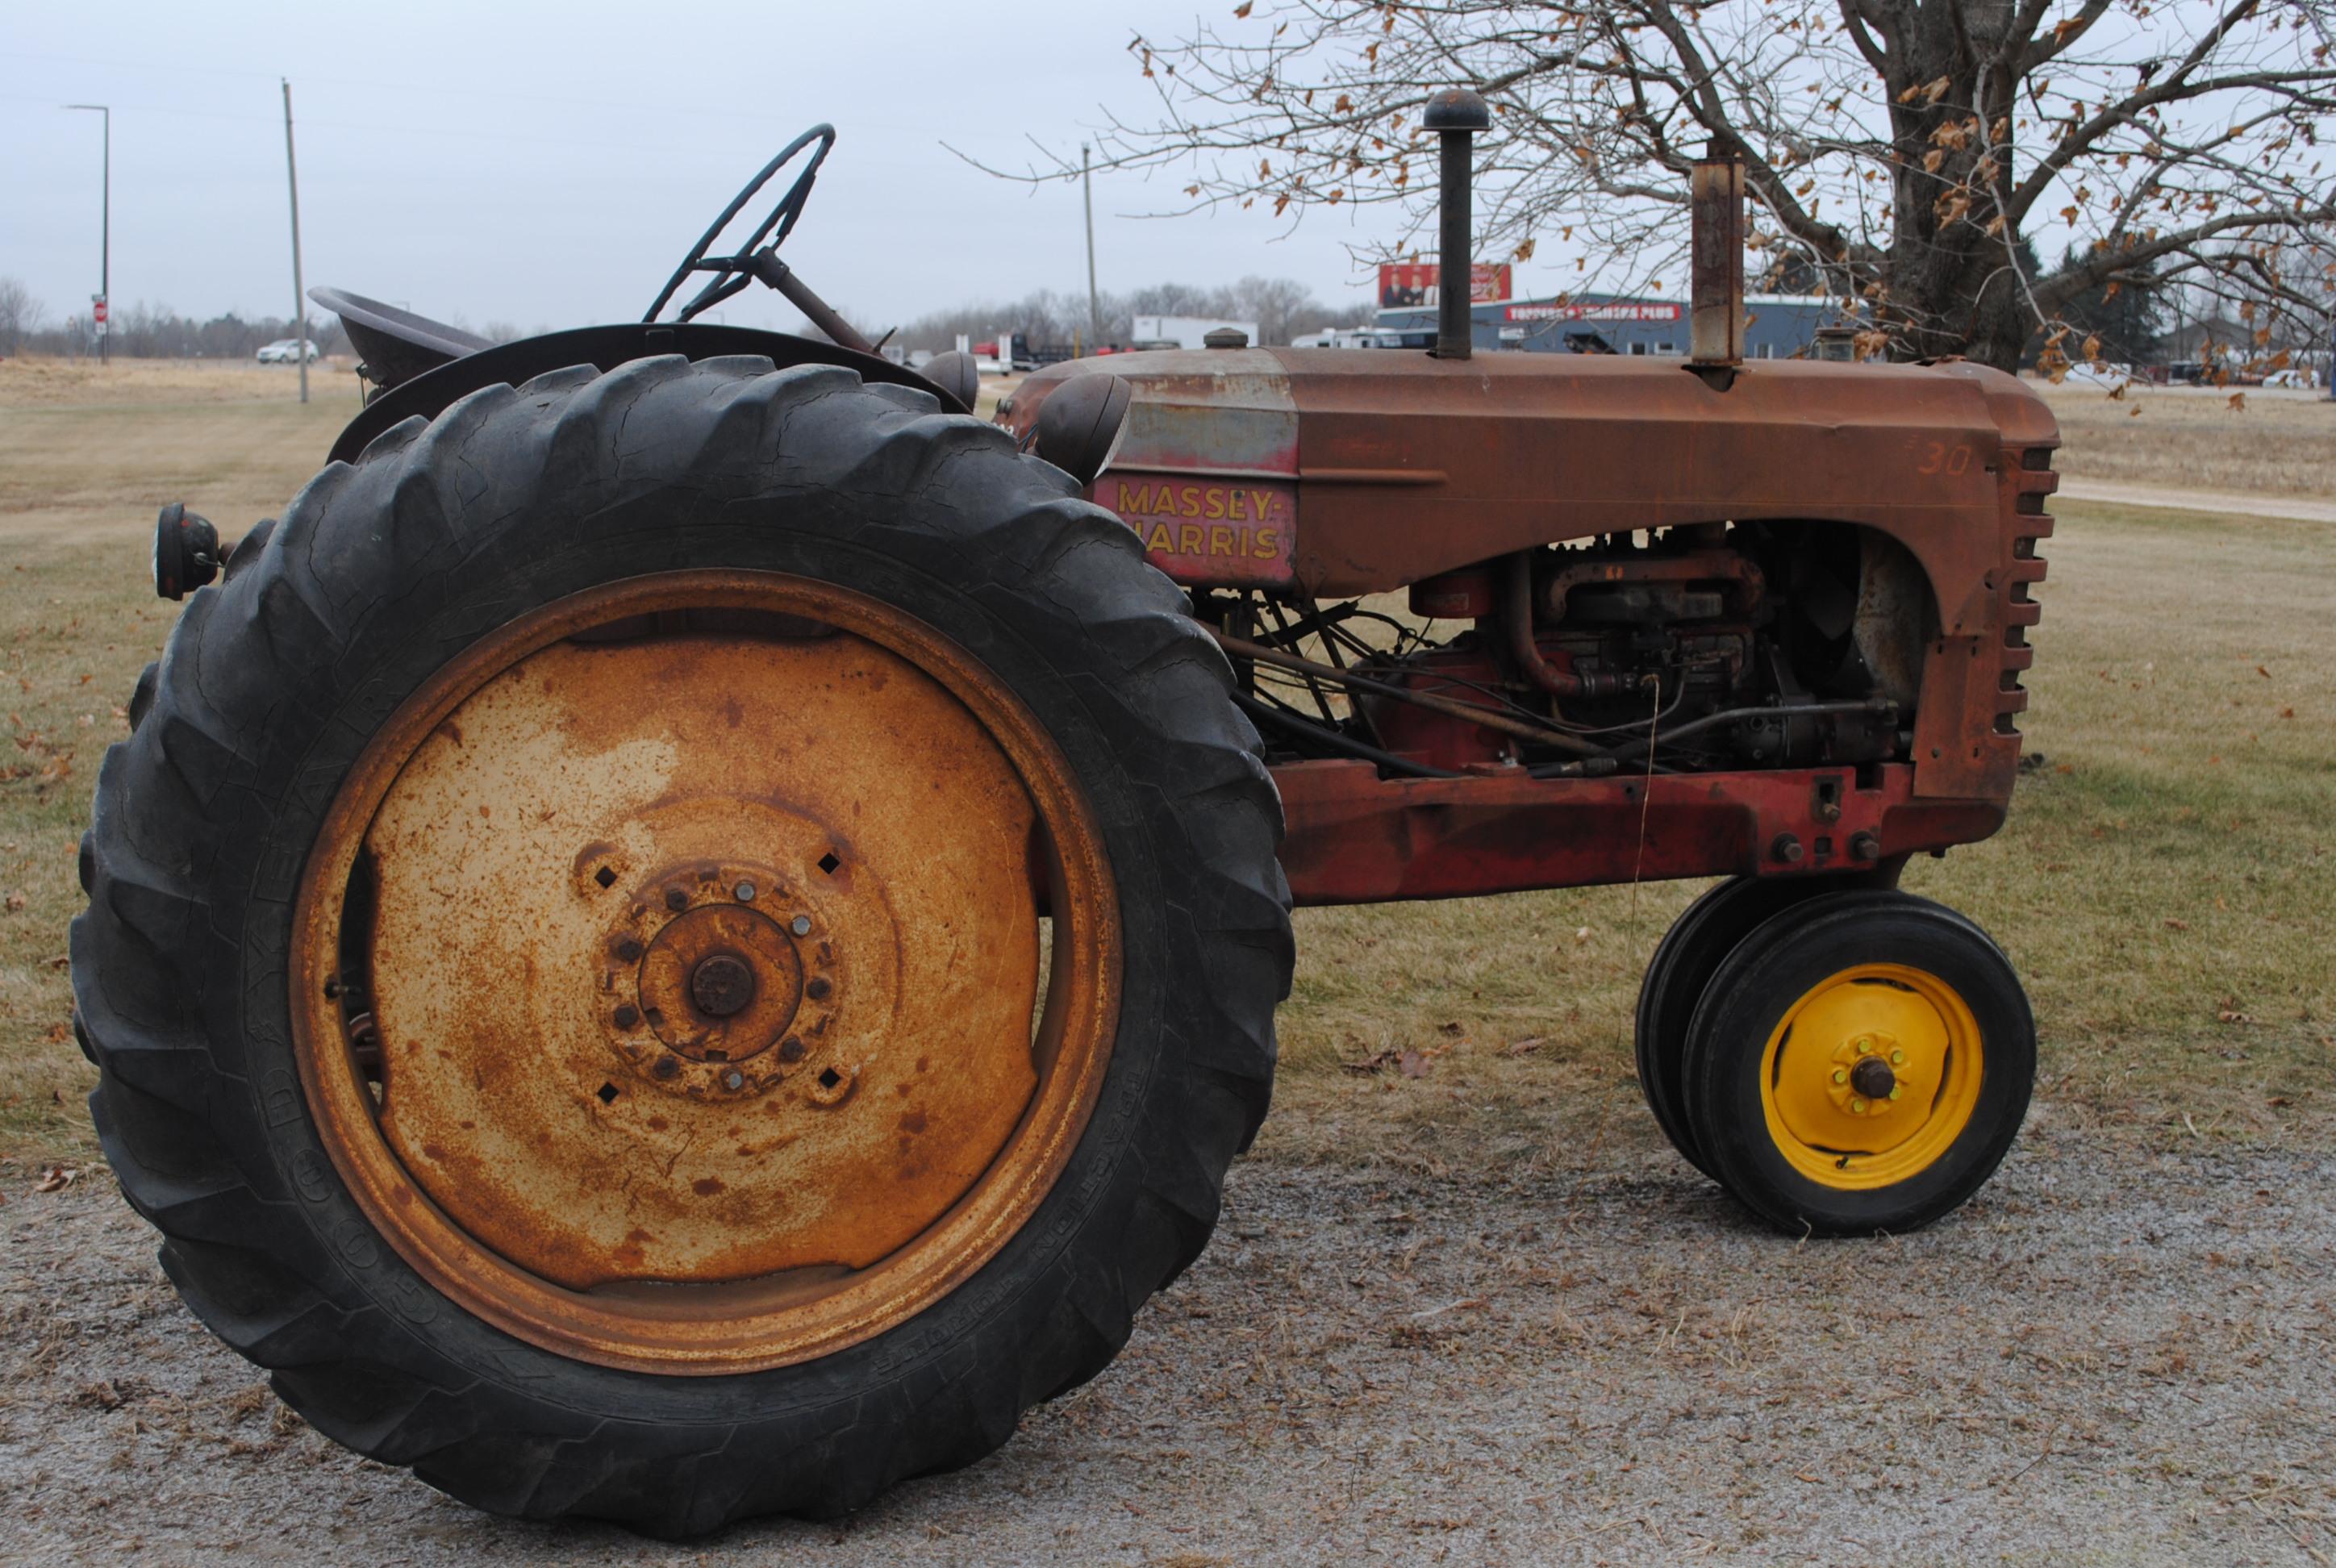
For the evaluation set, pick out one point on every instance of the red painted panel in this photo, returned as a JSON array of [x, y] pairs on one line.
[[1356, 838]]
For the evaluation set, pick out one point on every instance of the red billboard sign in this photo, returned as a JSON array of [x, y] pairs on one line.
[[1415, 283]]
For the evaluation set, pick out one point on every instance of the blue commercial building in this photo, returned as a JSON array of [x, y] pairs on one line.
[[1776, 326]]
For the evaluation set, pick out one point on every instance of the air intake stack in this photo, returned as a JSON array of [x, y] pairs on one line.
[[1455, 115], [1716, 288]]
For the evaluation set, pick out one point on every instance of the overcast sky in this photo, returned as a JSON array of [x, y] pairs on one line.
[[548, 163]]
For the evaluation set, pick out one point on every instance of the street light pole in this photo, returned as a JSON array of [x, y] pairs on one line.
[[1094, 309], [299, 300], [105, 230]]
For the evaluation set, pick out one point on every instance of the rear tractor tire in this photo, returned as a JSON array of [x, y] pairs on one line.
[[1859, 1063], [682, 943]]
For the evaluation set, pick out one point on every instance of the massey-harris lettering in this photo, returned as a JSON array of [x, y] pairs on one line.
[[1207, 531]]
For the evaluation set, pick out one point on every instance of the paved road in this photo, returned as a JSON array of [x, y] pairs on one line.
[[2120, 1354], [2227, 502]]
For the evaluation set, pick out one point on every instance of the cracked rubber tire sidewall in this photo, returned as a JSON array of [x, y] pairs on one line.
[[383, 570]]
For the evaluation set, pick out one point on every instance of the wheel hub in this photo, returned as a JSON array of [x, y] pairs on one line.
[[1860, 1067], [711, 991]]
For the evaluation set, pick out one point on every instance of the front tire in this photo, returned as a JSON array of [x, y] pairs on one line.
[[1860, 1063], [818, 531]]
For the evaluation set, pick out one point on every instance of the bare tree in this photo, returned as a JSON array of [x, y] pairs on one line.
[[1896, 150], [21, 315]]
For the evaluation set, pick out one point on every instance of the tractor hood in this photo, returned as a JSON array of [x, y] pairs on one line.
[[1336, 473]]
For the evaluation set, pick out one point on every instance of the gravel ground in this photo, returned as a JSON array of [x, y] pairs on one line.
[[2119, 1353]]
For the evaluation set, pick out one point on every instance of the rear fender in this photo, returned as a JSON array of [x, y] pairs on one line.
[[430, 394]]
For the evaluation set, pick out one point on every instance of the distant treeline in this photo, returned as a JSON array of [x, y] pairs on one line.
[[143, 331], [1281, 307]]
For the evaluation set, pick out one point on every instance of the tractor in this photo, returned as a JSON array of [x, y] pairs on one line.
[[695, 929]]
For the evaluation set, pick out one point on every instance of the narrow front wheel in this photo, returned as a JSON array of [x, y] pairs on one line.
[[1860, 1063]]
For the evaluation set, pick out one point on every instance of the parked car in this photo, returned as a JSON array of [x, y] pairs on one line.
[[286, 351]]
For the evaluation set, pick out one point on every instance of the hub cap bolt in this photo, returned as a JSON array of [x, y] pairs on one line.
[[733, 1080], [1873, 1078], [1840, 1077], [799, 925], [722, 986], [745, 891]]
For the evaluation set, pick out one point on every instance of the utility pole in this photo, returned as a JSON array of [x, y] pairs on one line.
[[299, 300], [1094, 309], [104, 311]]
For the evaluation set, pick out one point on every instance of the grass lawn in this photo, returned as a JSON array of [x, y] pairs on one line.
[[2166, 884], [2270, 441]]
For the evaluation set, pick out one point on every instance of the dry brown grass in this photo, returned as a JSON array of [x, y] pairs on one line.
[[40, 382], [2170, 864], [2275, 443]]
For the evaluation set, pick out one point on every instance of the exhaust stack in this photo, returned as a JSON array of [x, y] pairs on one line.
[[1716, 293], [1455, 115]]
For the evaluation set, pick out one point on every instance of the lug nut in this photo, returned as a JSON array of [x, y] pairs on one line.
[[1786, 849], [1865, 847], [1897, 1058], [746, 892], [799, 925], [1857, 1105], [677, 898], [817, 988], [733, 1080]]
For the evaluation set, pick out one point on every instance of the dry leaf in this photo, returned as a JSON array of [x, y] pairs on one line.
[[56, 1179], [1525, 1046], [2262, 672], [1412, 1065], [2173, 925]]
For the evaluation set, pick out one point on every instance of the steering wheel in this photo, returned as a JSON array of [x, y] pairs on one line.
[[733, 273]]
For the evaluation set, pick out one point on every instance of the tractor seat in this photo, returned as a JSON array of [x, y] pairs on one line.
[[397, 344]]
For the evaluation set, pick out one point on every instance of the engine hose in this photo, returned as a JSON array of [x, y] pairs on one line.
[[1539, 734], [1527, 652], [1337, 740]]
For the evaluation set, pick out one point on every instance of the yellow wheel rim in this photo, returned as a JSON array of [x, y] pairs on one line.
[[1871, 1076]]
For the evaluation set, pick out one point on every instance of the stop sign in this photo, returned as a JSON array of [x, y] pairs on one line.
[[97, 312]]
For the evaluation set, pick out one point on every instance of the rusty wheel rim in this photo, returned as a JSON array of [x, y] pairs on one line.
[[736, 1078]]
